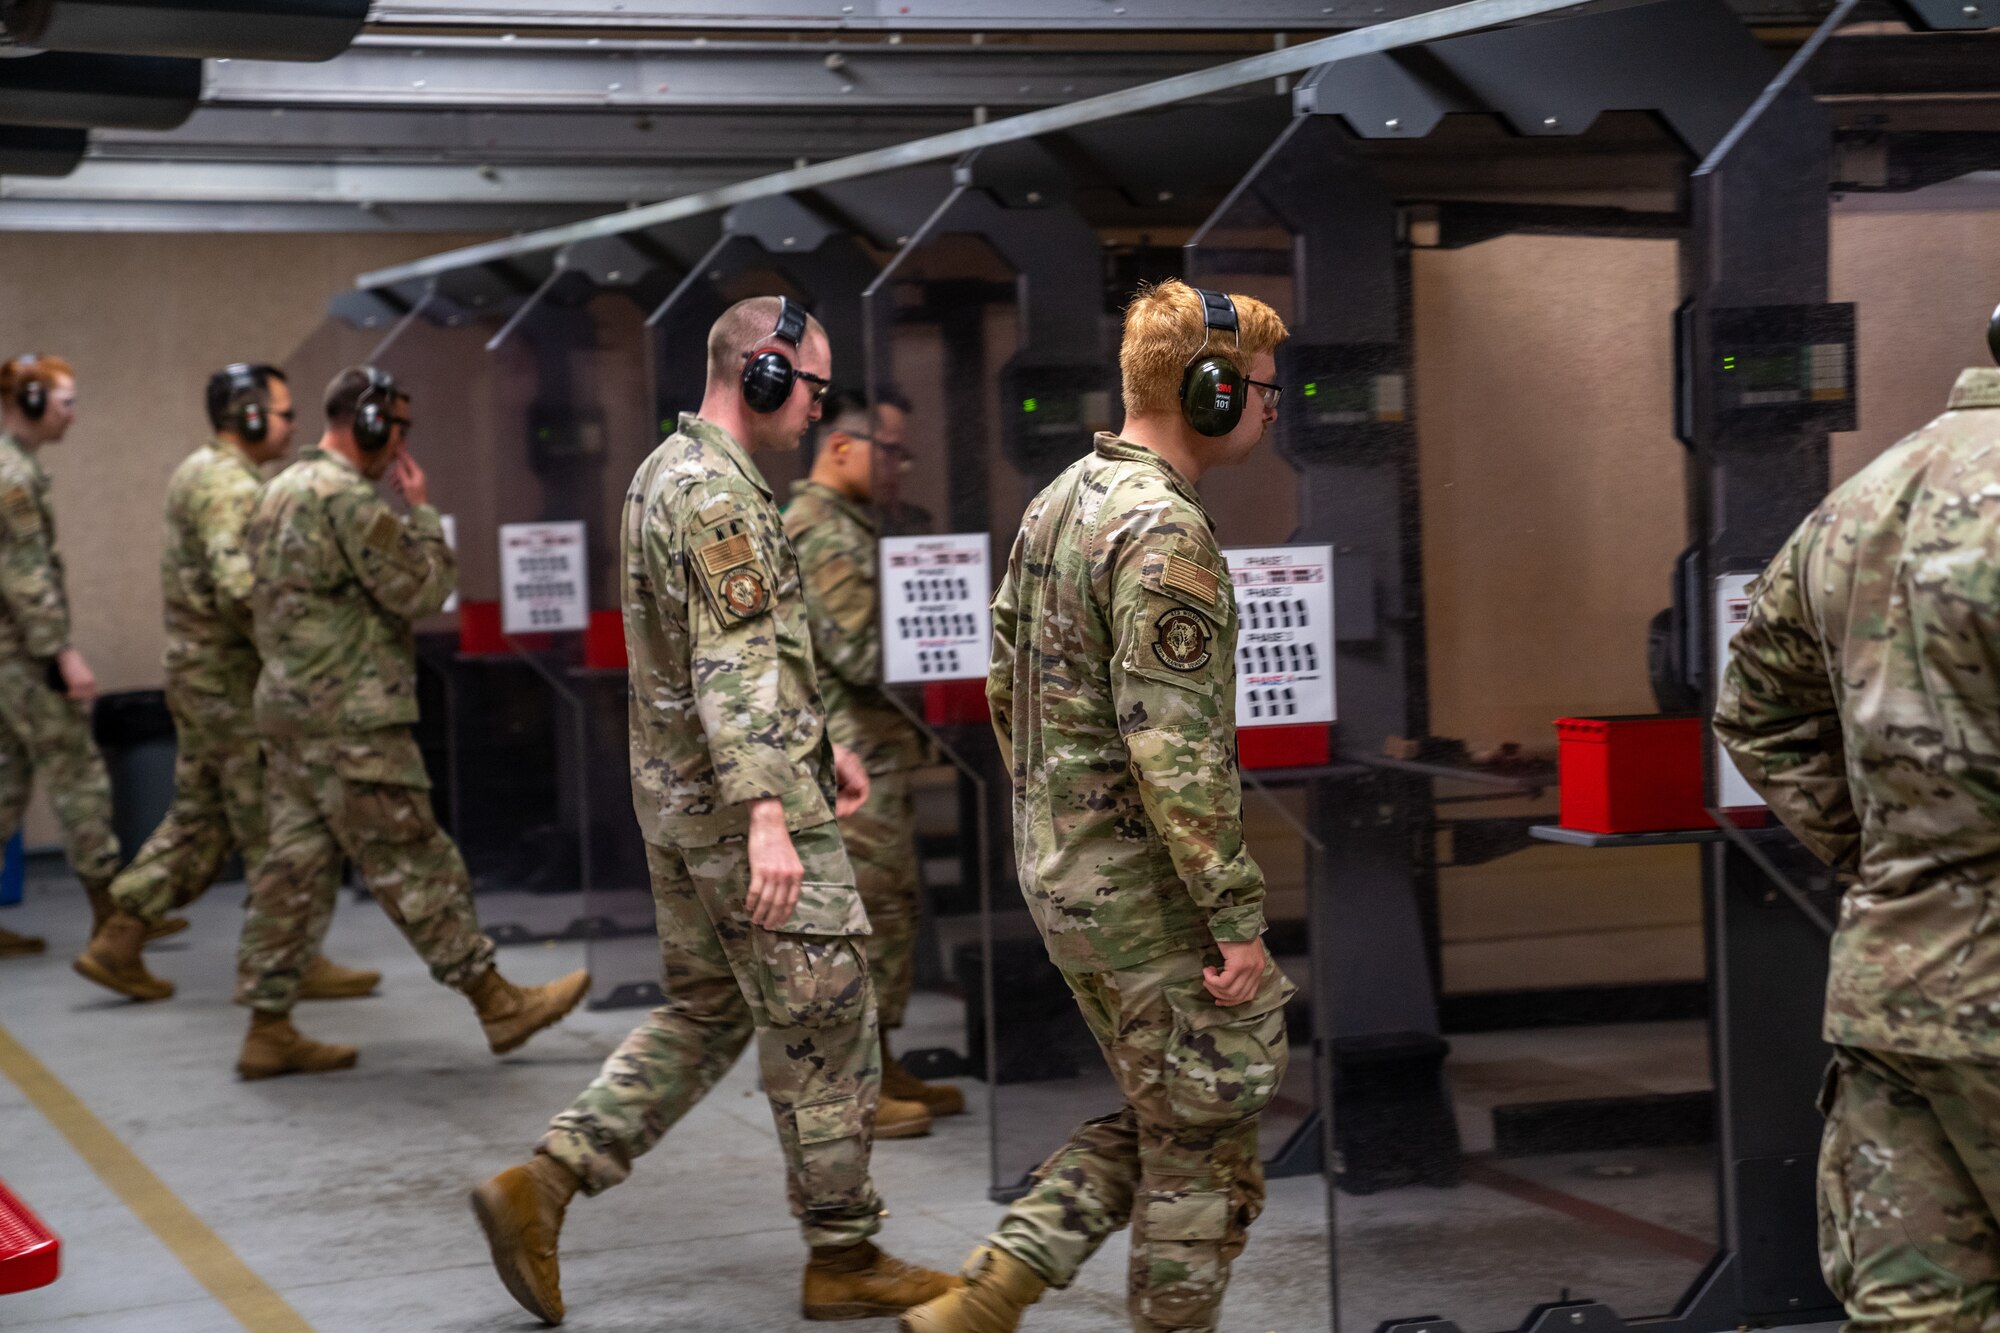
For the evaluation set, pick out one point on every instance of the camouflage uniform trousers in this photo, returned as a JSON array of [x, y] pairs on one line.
[[218, 806], [1909, 1191], [881, 840], [358, 799], [1179, 1161], [42, 731], [804, 992]]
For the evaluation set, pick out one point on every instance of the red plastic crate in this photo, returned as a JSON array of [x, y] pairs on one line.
[[956, 703], [30, 1253], [1306, 746], [604, 641], [1632, 774]]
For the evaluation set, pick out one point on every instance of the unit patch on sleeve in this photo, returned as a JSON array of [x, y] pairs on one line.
[[744, 592], [24, 517], [1181, 638]]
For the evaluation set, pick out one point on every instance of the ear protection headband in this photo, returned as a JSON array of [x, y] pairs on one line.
[[769, 375], [1212, 389], [373, 409], [247, 411], [32, 395]]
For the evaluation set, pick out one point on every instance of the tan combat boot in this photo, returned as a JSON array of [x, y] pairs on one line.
[[112, 960], [900, 1083], [998, 1289], [898, 1119], [521, 1210], [20, 946], [511, 1014], [860, 1282], [323, 980], [275, 1047]]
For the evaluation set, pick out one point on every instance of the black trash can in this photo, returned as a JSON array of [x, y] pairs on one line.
[[135, 732]]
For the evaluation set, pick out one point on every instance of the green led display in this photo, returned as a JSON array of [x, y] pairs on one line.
[[1030, 405]]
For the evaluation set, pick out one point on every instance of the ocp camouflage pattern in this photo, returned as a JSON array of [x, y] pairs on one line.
[[803, 991], [34, 604], [339, 578], [725, 709], [205, 581], [1907, 1236], [836, 543], [1862, 700], [1179, 1161], [1113, 692]]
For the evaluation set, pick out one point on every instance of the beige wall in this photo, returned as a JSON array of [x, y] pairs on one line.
[[145, 319], [1924, 284]]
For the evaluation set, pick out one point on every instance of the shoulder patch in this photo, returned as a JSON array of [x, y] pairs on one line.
[[384, 532], [24, 516], [1181, 638], [715, 511], [744, 592], [729, 553], [1184, 575]]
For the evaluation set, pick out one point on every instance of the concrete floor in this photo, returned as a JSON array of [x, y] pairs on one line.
[[346, 1192]]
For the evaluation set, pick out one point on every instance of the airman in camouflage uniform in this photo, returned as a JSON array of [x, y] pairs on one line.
[[1113, 692], [1861, 701], [45, 686], [211, 666], [338, 579], [833, 531], [731, 764]]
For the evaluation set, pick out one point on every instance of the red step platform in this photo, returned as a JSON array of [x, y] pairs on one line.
[[30, 1253]]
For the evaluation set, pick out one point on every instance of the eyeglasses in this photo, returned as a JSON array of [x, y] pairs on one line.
[[404, 422], [822, 385], [1272, 392], [288, 414], [895, 453]]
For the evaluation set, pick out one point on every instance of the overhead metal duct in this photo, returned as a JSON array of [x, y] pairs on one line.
[[129, 92], [235, 29], [32, 150]]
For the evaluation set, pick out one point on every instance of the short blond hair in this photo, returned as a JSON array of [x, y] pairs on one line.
[[1164, 330], [745, 327]]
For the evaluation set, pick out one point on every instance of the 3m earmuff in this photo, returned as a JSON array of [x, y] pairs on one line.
[[768, 374], [32, 397], [373, 411], [1213, 389], [248, 415]]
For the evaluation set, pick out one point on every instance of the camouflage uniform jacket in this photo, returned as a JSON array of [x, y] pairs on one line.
[[338, 578], [1113, 689], [835, 541], [1862, 700], [34, 608], [211, 657], [724, 707]]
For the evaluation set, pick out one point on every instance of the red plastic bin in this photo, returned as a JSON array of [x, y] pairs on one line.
[[30, 1253], [1632, 774]]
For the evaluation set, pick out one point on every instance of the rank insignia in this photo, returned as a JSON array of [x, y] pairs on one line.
[[744, 593], [1181, 639]]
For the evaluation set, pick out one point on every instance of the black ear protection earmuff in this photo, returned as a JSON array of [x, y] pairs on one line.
[[373, 420], [248, 414], [32, 397], [1212, 389], [1993, 335], [769, 375]]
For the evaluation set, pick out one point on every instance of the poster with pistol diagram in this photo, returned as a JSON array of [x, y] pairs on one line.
[[1284, 634]]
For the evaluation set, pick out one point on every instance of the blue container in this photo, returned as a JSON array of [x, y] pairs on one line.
[[13, 872]]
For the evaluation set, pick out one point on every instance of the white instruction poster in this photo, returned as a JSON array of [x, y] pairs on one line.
[[544, 578], [1732, 608], [1284, 636], [936, 623]]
